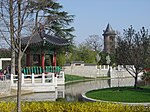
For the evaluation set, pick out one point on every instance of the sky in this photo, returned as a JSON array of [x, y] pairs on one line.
[[92, 16]]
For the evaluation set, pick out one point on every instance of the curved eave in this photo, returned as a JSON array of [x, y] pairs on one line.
[[57, 44], [33, 44], [47, 43], [56, 41], [40, 40]]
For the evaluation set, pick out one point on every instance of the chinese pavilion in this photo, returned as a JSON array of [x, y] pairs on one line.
[[41, 52]]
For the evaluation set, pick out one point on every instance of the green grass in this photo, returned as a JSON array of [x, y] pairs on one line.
[[122, 94], [74, 78]]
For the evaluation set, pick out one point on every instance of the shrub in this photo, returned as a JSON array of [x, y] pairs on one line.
[[71, 107]]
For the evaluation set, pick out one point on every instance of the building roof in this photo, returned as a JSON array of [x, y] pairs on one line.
[[39, 38], [109, 30]]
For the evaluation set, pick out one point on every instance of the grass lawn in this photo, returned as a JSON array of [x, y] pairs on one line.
[[122, 94], [74, 78]]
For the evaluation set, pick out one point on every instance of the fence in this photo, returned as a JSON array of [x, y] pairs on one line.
[[40, 70]]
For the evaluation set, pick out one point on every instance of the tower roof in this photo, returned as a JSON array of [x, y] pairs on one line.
[[109, 30]]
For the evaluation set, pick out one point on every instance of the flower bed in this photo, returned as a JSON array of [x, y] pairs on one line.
[[71, 107]]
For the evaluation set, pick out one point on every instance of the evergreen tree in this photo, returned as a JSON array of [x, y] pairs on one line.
[[55, 21]]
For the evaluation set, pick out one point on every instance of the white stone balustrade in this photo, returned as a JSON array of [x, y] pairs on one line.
[[61, 78], [33, 78], [40, 78], [44, 82]]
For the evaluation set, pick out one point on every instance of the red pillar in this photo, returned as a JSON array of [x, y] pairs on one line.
[[28, 58], [43, 61], [54, 59]]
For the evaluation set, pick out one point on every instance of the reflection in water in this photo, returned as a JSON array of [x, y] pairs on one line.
[[109, 82], [39, 97], [47, 96], [72, 92]]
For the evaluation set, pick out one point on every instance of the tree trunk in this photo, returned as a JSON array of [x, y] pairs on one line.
[[13, 68], [19, 83], [19, 58], [36, 20], [135, 83], [12, 37]]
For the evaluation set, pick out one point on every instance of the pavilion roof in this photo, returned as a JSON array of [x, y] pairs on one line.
[[38, 38]]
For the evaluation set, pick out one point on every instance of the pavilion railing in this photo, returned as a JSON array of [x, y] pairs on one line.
[[40, 70], [33, 78], [39, 78]]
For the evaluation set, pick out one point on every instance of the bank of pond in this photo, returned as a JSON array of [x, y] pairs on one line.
[[122, 94]]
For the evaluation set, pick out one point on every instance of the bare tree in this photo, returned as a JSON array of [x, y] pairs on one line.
[[16, 21], [133, 51], [9, 25], [94, 42], [15, 18]]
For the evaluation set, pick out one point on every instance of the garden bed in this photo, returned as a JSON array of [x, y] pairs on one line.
[[71, 107]]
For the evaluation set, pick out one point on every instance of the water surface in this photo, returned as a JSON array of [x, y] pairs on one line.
[[72, 92]]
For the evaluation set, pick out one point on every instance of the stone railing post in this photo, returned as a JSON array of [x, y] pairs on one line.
[[62, 74], [43, 78], [22, 79], [55, 78], [32, 78], [12, 79], [110, 67], [56, 93]]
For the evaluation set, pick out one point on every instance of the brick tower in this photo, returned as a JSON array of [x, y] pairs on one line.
[[109, 39]]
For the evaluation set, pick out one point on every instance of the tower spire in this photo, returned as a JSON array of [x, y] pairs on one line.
[[109, 30], [109, 39]]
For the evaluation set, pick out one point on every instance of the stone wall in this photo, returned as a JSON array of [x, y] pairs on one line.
[[86, 70], [92, 70], [119, 74], [82, 70]]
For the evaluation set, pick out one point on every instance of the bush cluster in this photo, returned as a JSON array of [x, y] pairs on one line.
[[71, 107]]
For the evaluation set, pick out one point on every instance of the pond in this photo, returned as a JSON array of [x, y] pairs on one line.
[[72, 92]]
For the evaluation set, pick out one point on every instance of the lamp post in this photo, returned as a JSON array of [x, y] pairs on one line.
[[118, 73], [98, 58], [108, 60]]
